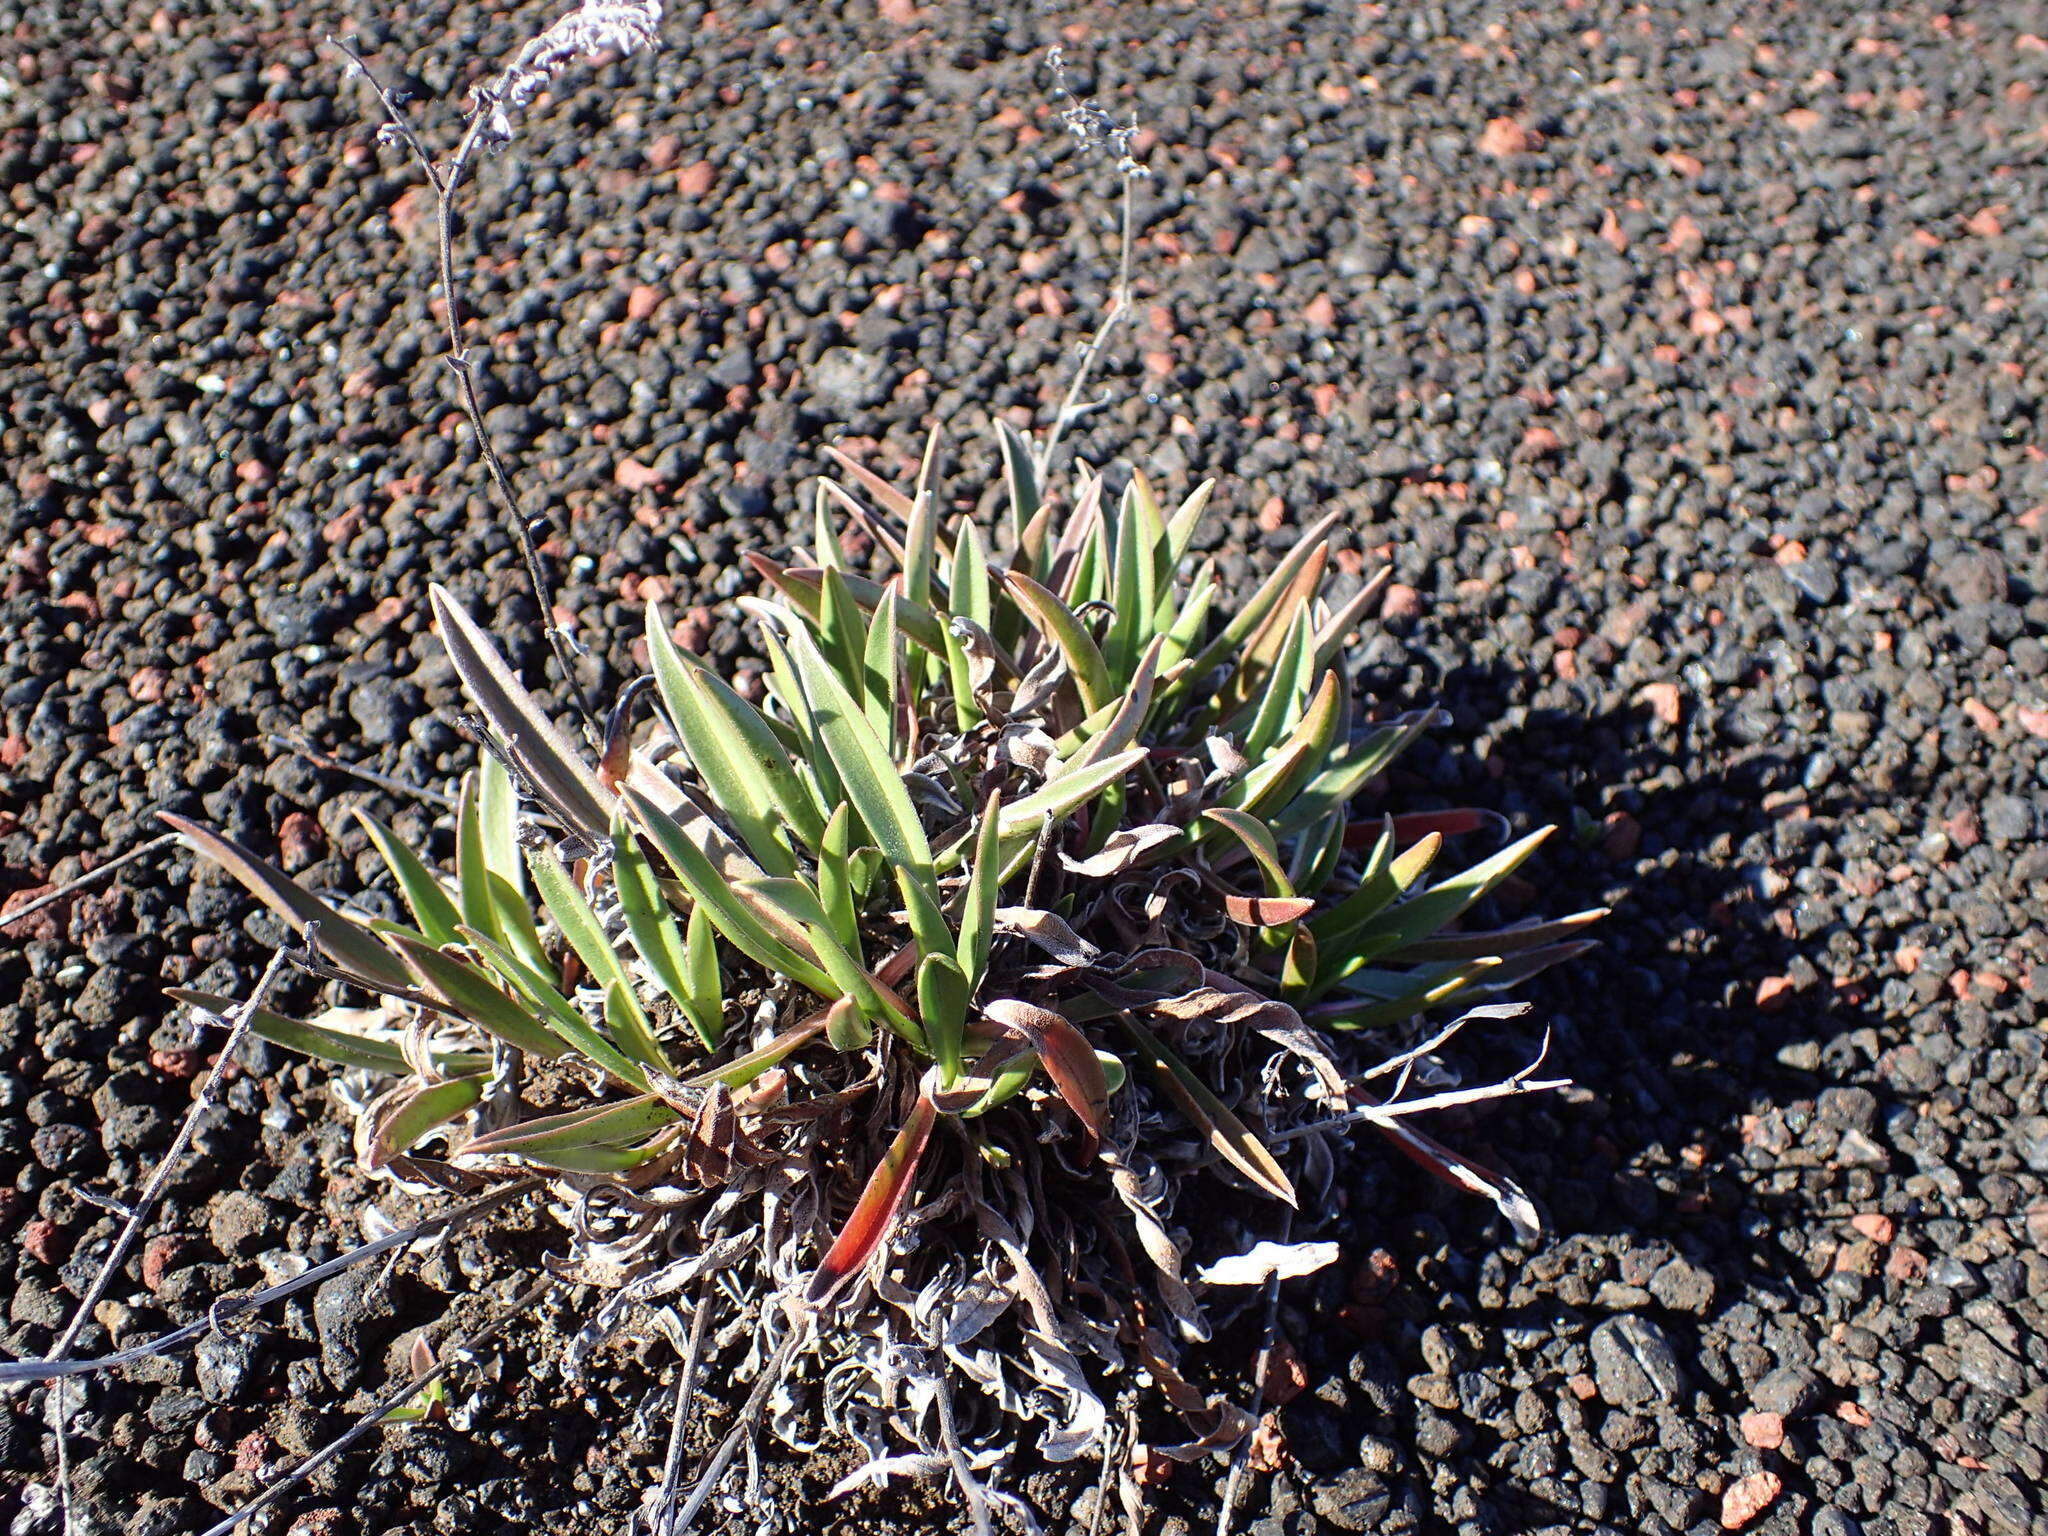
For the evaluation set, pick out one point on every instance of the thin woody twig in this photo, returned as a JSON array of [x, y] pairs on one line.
[[97, 872], [393, 1397], [446, 181], [138, 1214]]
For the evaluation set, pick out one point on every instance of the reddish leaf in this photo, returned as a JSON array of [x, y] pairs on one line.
[[1463, 1173], [1069, 1060], [875, 1213], [1417, 825], [1266, 911]]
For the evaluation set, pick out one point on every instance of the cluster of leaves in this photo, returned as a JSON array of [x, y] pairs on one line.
[[1051, 844]]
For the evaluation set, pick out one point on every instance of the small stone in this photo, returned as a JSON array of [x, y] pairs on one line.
[[1989, 1368], [1765, 1431], [1788, 1392], [299, 842], [1748, 1497], [1874, 1225], [1634, 1363]]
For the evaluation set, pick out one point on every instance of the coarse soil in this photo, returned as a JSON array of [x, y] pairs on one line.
[[1687, 363]]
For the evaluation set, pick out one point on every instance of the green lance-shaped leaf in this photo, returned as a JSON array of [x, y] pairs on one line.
[[735, 752], [535, 744], [1348, 768], [921, 531], [556, 1011], [424, 894], [1230, 643], [874, 1215], [842, 633], [882, 669], [1257, 839], [1513, 940], [1430, 987], [984, 889], [803, 589], [1020, 477], [708, 887], [470, 993], [347, 943], [492, 901], [826, 548], [1317, 854], [875, 786], [837, 897], [1113, 728], [631, 1029], [1134, 591], [1060, 626], [656, 933], [1193, 618], [1258, 663], [1231, 1139], [617, 1124], [894, 501], [1278, 704], [1422, 915], [1387, 877], [413, 1112], [705, 1006], [797, 906], [742, 1070], [1059, 797], [1272, 785], [1180, 528], [942, 995]]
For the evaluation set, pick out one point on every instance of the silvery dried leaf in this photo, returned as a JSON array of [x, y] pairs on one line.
[[1267, 1261]]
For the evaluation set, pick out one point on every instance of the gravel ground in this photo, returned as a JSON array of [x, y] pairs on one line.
[[1688, 371]]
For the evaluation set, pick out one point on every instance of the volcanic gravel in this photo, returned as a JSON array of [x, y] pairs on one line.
[[1688, 371]]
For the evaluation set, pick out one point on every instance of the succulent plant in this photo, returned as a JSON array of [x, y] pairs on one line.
[[914, 989]]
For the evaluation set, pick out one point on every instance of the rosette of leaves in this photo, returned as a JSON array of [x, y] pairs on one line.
[[1027, 886]]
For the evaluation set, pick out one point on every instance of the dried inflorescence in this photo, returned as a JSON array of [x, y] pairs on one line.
[[892, 1017]]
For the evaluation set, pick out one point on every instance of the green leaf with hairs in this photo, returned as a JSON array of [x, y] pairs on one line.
[[735, 753], [1388, 876], [842, 633], [1180, 528], [631, 1029], [874, 785], [415, 1112], [742, 926], [1278, 706], [339, 1046], [1229, 644], [543, 754], [836, 895], [656, 933], [1420, 916], [1058, 623], [1020, 477], [470, 993], [705, 1004], [1059, 797], [984, 889], [347, 943], [942, 997], [424, 894], [616, 1124], [556, 1011]]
